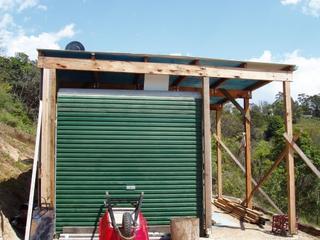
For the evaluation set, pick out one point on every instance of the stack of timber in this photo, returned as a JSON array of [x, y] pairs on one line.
[[239, 211]]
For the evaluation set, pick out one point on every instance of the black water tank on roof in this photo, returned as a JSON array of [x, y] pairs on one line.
[[75, 46]]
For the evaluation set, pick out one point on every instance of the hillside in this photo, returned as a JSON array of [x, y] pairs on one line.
[[16, 153]]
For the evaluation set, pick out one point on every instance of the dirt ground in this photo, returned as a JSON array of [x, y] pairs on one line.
[[228, 227], [16, 153]]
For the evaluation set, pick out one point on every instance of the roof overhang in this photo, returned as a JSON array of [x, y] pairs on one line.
[[239, 78]]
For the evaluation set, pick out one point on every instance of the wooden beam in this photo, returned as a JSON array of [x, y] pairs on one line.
[[247, 127], [216, 107], [219, 153], [243, 170], [268, 173], [181, 78], [295, 147], [48, 136], [215, 92], [207, 154], [235, 103], [220, 81], [161, 68], [217, 83], [290, 160]]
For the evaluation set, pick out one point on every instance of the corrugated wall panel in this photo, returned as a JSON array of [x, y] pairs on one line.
[[105, 143]]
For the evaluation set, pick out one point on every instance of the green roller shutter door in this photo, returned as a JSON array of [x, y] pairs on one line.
[[111, 142]]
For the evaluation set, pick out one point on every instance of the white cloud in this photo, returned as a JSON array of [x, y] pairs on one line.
[[265, 57], [312, 7], [306, 79], [26, 4], [42, 7], [20, 5], [29, 44], [6, 4], [290, 2], [6, 21], [13, 38], [308, 7]]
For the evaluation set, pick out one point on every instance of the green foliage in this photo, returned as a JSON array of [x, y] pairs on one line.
[[23, 77], [12, 111], [274, 124], [16, 107]]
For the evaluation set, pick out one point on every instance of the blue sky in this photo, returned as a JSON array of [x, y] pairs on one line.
[[270, 30]]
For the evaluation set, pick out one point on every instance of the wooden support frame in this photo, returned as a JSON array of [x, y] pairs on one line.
[[215, 92], [218, 83], [230, 97], [48, 137], [295, 147], [290, 160], [219, 152], [182, 78], [207, 155], [162, 68], [243, 170], [247, 127], [268, 173]]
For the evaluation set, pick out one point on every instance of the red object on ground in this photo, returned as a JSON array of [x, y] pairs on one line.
[[107, 232], [280, 224]]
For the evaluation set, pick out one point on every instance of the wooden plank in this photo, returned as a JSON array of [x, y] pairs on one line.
[[217, 83], [34, 174], [215, 107], [161, 68], [290, 160], [182, 78], [268, 173], [48, 136], [207, 154], [235, 103], [302, 155], [247, 127], [243, 170], [215, 92], [219, 153], [220, 81]]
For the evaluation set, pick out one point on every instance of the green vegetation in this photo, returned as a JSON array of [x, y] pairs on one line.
[[19, 91], [267, 143]]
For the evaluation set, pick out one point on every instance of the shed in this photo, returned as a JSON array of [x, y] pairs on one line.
[[129, 123]]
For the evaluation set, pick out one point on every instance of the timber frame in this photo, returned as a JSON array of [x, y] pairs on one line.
[[213, 81]]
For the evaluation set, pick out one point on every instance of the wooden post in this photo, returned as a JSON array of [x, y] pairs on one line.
[[247, 126], [48, 136], [207, 154], [219, 152], [290, 160]]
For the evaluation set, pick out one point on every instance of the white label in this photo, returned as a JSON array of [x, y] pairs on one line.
[[131, 187]]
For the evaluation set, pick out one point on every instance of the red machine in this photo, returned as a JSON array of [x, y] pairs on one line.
[[133, 225]]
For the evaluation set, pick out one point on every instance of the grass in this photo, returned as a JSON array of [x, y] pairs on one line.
[[12, 112], [312, 127]]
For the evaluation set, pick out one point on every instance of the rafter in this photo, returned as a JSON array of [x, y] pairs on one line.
[[215, 92], [181, 78]]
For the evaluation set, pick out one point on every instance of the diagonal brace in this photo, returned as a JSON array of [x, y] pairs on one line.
[[298, 150], [243, 170]]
